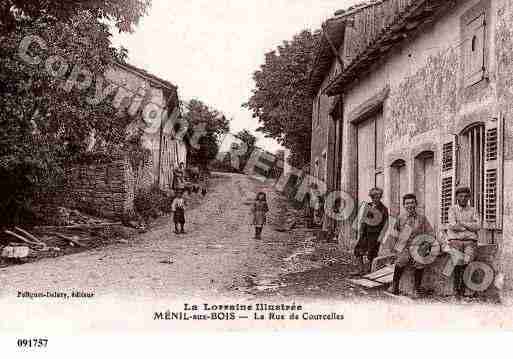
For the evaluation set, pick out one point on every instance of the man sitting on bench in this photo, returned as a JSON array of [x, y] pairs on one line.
[[409, 227], [462, 234]]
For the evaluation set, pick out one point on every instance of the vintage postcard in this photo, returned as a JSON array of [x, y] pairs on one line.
[[199, 166]]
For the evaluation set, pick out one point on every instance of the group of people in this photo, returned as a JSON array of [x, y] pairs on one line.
[[462, 234], [259, 209]]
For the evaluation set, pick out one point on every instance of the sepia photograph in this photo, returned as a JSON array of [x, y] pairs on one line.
[[246, 166]]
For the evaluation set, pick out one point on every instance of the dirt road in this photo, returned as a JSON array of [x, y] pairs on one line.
[[217, 258], [217, 255]]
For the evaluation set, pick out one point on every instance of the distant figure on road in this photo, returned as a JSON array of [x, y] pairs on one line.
[[194, 174], [179, 178], [178, 209], [259, 210]]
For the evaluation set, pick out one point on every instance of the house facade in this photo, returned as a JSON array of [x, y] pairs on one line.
[[426, 93], [150, 99]]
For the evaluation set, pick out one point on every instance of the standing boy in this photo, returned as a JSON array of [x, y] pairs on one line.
[[376, 218]]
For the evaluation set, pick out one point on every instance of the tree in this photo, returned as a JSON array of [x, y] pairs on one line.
[[124, 13], [43, 125], [249, 143], [205, 128], [281, 99]]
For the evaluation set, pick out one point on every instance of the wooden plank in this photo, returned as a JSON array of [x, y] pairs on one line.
[[380, 273], [386, 279], [366, 283], [24, 239], [30, 236], [400, 298], [69, 239], [79, 226]]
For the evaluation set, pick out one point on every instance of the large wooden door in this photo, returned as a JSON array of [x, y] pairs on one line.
[[370, 155], [366, 159]]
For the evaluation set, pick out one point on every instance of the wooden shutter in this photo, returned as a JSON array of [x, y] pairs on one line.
[[314, 113], [448, 165], [493, 171], [475, 50]]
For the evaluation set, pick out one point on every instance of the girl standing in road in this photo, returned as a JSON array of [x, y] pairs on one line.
[[178, 208], [259, 210]]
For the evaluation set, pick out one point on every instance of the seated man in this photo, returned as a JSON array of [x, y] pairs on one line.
[[462, 234], [409, 227]]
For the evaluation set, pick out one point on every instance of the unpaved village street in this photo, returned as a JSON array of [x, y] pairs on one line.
[[217, 256], [217, 261]]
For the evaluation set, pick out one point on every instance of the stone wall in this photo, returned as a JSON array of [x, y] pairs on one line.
[[106, 190], [504, 58]]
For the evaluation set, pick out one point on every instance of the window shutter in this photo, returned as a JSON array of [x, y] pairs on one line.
[[494, 149], [475, 61], [314, 113], [448, 164]]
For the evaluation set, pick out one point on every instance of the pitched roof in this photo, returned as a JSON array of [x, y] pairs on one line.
[[324, 55], [378, 28], [156, 81], [334, 29]]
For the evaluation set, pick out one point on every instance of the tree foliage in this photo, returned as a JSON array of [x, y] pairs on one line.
[[281, 101], [249, 141], [239, 152], [43, 125], [125, 14], [205, 129]]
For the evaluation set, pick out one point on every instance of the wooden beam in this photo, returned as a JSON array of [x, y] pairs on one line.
[[24, 239], [30, 236]]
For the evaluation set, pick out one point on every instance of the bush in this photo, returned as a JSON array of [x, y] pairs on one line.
[[166, 202], [150, 203]]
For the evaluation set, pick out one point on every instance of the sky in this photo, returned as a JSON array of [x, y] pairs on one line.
[[210, 49]]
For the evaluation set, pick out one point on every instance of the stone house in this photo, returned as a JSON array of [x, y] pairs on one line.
[[148, 98], [425, 94], [109, 189]]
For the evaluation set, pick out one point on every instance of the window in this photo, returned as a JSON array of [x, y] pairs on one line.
[[475, 159], [475, 66], [480, 168], [426, 187], [475, 43], [472, 163]]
